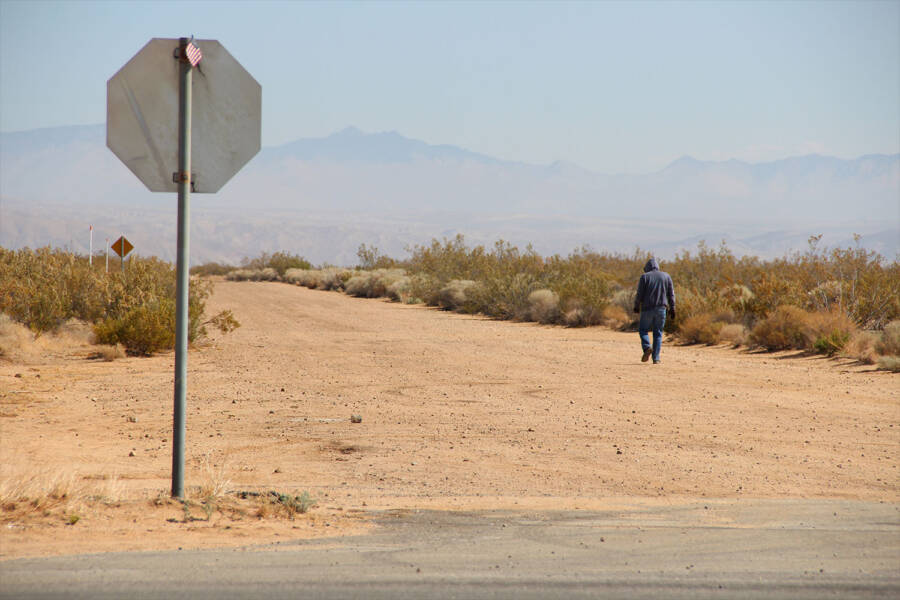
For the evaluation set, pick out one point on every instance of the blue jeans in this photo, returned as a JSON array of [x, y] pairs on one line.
[[652, 319]]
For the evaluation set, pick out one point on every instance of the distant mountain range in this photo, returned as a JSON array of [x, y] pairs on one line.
[[322, 197]]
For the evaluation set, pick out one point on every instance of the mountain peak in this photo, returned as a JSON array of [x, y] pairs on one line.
[[349, 131], [683, 162]]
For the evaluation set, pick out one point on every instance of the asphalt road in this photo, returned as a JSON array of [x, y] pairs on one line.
[[717, 549]]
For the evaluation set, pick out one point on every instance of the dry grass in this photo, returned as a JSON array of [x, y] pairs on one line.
[[889, 344], [110, 353], [214, 482], [862, 347], [889, 363], [18, 343], [615, 317], [734, 334], [55, 494]]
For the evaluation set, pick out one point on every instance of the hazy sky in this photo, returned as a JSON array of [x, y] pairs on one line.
[[614, 87]]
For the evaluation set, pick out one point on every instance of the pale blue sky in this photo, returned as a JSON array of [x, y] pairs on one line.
[[614, 87]]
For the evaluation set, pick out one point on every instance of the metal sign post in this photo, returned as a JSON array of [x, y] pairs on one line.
[[183, 122], [182, 282]]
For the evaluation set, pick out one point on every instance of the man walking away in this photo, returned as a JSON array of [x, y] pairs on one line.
[[655, 294]]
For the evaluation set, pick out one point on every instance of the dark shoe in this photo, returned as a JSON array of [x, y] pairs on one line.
[[656, 362], [646, 355]]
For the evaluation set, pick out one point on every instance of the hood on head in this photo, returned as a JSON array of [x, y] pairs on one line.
[[651, 265]]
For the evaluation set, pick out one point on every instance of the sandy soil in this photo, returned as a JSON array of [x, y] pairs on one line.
[[458, 412]]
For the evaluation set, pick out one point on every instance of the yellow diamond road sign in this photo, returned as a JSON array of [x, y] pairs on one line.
[[122, 247]]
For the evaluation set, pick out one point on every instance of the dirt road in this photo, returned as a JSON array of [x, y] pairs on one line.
[[458, 412]]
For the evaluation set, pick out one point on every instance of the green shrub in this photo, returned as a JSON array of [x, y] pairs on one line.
[[143, 330], [831, 343]]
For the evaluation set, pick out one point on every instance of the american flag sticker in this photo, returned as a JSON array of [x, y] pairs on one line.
[[193, 54]]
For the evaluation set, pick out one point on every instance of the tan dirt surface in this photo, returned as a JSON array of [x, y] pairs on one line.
[[458, 413]]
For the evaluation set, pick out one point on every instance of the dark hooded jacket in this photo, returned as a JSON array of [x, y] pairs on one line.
[[655, 288]]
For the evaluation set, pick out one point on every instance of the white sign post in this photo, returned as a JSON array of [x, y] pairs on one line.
[[184, 116]]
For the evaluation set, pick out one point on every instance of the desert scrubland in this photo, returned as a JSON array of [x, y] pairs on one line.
[[458, 412]]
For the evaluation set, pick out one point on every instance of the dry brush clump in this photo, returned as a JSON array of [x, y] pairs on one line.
[[45, 288], [543, 306], [889, 347], [372, 284], [245, 274]]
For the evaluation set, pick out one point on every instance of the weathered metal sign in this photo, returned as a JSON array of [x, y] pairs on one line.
[[142, 116]]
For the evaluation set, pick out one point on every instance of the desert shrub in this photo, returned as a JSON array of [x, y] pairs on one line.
[[889, 363], [240, 275], [861, 346], [144, 329], [889, 344], [624, 299], [503, 296], [737, 297], [110, 353], [702, 328], [359, 285], [211, 268], [13, 335], [615, 317], [827, 295], [371, 257], [735, 334], [543, 306], [305, 277], [831, 343], [266, 274], [333, 278], [400, 290], [45, 288], [456, 295], [828, 332], [279, 262], [424, 288], [372, 284], [783, 330]]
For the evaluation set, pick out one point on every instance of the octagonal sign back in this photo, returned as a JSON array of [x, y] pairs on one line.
[[142, 116]]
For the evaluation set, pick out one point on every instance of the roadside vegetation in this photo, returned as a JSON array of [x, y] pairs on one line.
[[838, 301], [44, 289]]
